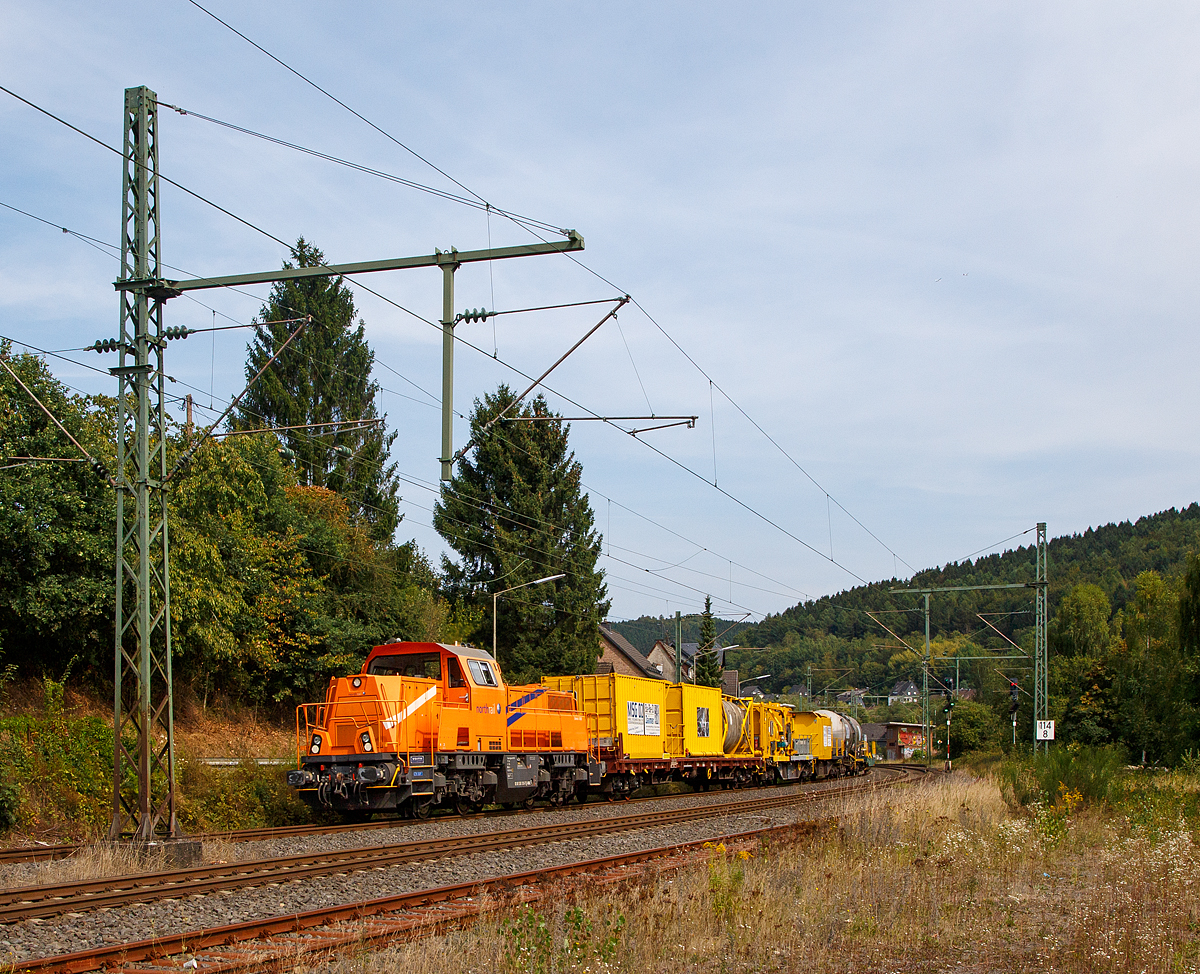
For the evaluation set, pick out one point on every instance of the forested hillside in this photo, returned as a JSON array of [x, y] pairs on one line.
[[1111, 557], [1124, 635]]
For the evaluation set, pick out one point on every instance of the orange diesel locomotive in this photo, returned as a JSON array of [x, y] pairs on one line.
[[426, 724]]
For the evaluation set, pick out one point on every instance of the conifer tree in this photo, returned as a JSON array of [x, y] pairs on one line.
[[515, 511], [324, 376], [708, 664]]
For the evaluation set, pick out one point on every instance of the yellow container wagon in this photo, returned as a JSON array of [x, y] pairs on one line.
[[695, 726], [627, 712], [816, 730]]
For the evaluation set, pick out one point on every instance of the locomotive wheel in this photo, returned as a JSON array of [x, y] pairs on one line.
[[464, 806], [527, 804], [423, 809]]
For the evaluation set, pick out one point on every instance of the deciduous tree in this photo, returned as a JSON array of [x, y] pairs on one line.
[[57, 525]]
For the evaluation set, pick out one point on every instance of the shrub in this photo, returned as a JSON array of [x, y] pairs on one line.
[[1094, 773], [243, 797], [57, 769]]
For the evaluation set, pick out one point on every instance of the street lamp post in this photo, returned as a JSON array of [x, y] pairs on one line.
[[761, 676], [505, 591]]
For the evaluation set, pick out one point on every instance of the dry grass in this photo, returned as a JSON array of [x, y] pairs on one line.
[[935, 877], [218, 734], [99, 861]]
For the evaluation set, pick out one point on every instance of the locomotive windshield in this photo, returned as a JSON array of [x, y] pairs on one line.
[[481, 673], [425, 665]]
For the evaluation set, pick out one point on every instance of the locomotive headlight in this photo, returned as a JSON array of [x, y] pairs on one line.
[[366, 741], [356, 682], [315, 748]]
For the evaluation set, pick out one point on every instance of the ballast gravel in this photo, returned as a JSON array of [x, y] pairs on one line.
[[74, 932]]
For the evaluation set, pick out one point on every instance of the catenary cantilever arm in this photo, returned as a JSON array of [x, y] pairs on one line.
[[436, 259]]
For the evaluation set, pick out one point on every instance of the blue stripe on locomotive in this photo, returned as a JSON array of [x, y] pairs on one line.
[[514, 717]]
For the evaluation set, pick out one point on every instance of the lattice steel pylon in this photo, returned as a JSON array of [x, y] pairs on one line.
[[143, 705], [1041, 698]]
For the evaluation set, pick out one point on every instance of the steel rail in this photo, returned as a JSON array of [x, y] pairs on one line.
[[389, 917], [28, 902], [41, 853]]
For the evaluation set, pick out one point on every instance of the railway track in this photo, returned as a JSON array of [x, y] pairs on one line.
[[45, 852], [268, 943], [41, 902]]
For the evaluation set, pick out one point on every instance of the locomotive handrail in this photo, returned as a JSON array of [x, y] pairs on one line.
[[314, 717]]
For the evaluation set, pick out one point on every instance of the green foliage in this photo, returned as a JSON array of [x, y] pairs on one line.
[[1189, 646], [57, 772], [276, 585], [644, 631], [530, 942], [57, 524], [240, 584], [587, 939], [726, 875], [1149, 676], [323, 377], [1093, 773], [1155, 804], [1124, 635], [1081, 626], [974, 727], [515, 511], [708, 662], [57, 769], [1110, 557], [245, 797]]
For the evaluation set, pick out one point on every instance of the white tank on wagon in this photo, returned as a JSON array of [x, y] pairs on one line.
[[846, 731]]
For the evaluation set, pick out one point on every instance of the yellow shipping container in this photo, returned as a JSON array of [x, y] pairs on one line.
[[694, 725], [817, 730], [628, 712]]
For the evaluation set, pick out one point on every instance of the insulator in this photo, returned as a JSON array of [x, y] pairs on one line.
[[344, 452], [100, 469], [106, 345], [178, 332], [285, 453]]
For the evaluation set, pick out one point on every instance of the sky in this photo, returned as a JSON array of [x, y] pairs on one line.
[[924, 273]]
